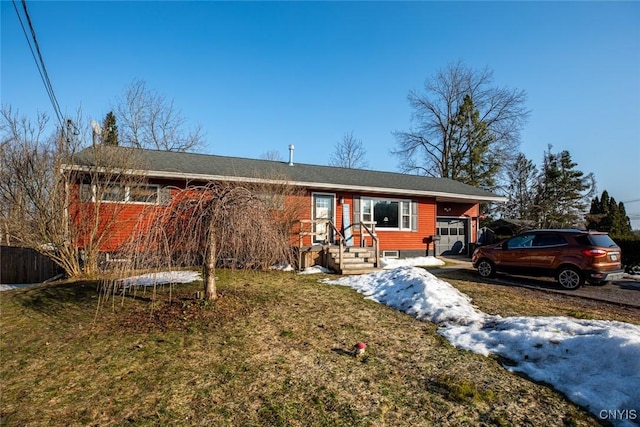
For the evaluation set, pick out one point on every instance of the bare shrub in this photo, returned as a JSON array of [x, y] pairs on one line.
[[55, 199], [235, 225]]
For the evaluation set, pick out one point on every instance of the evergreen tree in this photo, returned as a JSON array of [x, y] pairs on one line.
[[614, 215], [472, 160], [521, 186], [623, 227], [608, 215], [562, 192], [110, 130], [605, 205]]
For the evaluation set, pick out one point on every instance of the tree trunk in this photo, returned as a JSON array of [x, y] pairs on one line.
[[210, 267]]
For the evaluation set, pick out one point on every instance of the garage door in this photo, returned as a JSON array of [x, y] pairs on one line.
[[453, 236]]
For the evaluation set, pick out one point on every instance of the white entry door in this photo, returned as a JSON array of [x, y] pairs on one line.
[[322, 209]]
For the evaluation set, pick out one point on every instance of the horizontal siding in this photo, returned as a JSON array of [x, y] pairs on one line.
[[412, 240], [123, 228], [301, 204], [389, 240], [117, 222], [458, 209], [462, 210]]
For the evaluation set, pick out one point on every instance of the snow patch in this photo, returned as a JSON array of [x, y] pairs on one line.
[[595, 363]]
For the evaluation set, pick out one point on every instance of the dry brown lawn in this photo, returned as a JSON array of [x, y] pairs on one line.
[[274, 350]]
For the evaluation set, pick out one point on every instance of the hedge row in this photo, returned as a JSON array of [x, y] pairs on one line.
[[630, 247]]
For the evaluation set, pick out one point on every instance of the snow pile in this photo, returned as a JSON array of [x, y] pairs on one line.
[[595, 363], [17, 286], [417, 292], [161, 278], [388, 264], [425, 261], [316, 269], [282, 267]]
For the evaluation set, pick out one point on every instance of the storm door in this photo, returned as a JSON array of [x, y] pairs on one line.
[[323, 209]]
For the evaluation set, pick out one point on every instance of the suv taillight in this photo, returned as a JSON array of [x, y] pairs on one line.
[[595, 253]]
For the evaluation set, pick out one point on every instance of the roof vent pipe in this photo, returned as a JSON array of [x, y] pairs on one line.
[[291, 148]]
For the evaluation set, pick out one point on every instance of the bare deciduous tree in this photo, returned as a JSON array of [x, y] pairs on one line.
[[349, 152], [273, 155], [235, 225], [23, 151], [148, 120], [522, 178], [100, 186], [40, 204], [435, 143]]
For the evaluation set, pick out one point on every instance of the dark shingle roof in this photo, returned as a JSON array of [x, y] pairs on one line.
[[170, 164]]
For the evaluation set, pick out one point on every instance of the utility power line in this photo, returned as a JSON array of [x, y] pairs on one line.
[[37, 57]]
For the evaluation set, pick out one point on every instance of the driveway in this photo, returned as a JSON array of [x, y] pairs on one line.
[[625, 292]]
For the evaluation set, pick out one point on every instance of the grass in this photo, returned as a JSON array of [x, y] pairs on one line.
[[276, 349]]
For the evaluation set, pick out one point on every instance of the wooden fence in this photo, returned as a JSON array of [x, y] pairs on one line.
[[24, 265]]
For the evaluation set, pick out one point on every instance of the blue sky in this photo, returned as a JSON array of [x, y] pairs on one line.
[[259, 76]]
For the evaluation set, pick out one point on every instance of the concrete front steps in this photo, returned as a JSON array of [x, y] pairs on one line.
[[355, 260]]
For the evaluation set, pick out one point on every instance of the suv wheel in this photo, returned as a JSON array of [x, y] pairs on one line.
[[570, 277], [486, 268]]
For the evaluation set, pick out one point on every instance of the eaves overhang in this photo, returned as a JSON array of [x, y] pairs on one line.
[[440, 196]]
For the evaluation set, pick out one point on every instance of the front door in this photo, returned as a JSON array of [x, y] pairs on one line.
[[322, 210]]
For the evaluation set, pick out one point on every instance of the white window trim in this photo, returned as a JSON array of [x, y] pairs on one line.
[[364, 200], [333, 210], [127, 195]]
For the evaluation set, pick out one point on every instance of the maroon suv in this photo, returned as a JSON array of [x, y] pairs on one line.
[[571, 256]]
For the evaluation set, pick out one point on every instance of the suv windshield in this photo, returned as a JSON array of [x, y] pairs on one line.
[[601, 240]]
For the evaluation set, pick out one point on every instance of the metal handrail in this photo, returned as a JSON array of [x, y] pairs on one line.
[[341, 241], [339, 238]]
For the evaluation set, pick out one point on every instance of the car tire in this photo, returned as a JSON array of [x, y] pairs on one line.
[[570, 277], [486, 268]]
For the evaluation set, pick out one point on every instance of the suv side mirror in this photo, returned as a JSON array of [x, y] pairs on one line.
[[505, 245]]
